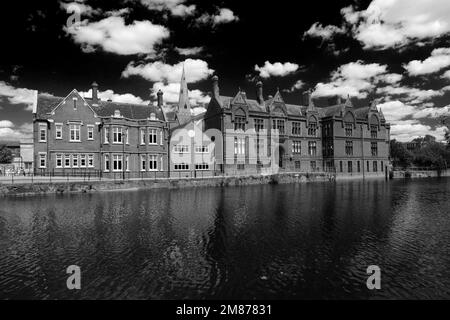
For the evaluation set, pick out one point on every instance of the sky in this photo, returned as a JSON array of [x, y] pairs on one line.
[[394, 51]]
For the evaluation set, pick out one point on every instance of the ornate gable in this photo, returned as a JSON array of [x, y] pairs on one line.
[[277, 107], [239, 99]]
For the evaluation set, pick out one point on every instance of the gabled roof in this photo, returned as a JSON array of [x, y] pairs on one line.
[[47, 103]]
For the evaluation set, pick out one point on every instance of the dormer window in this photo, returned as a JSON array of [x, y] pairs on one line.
[[152, 116], [117, 114]]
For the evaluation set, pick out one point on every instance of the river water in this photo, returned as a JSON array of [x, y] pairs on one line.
[[299, 241]]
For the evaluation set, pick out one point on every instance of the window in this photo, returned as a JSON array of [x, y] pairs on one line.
[[161, 137], [127, 136], [240, 166], [341, 169], [83, 161], [382, 166], [59, 163], [181, 166], [296, 128], [152, 163], [375, 166], [201, 149], [106, 162], [350, 166], [297, 164], [202, 166], [152, 136], [368, 167], [117, 135], [373, 131], [90, 132], [58, 131], [127, 163], [312, 148], [74, 132], [90, 160], [42, 160], [349, 148], [239, 146], [279, 125], [67, 161], [74, 161], [239, 123], [327, 132], [259, 124], [312, 129], [74, 103], [117, 162], [42, 133], [142, 136], [181, 148], [374, 148], [106, 135], [313, 166], [359, 166], [328, 148], [296, 147], [349, 129], [161, 167], [143, 162]]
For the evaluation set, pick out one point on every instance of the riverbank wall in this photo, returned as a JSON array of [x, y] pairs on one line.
[[23, 189], [413, 174]]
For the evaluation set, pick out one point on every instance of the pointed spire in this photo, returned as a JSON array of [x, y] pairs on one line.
[[183, 102], [348, 102], [184, 107]]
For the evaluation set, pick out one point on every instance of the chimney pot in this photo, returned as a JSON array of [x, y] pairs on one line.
[[94, 92], [160, 98], [259, 93]]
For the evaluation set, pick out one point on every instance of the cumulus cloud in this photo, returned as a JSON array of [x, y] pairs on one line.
[[296, 86], [171, 93], [17, 95], [355, 79], [395, 23], [175, 7], [325, 33], [189, 51], [276, 69], [446, 75], [224, 15], [113, 35], [9, 131], [412, 95], [195, 70], [439, 59], [407, 130], [115, 97], [79, 7]]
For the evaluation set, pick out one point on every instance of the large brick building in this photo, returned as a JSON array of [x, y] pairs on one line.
[[74, 135], [236, 135]]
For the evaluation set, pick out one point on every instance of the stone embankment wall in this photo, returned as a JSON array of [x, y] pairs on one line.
[[92, 186]]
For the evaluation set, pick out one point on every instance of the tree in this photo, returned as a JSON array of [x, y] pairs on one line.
[[5, 154], [433, 154], [399, 155]]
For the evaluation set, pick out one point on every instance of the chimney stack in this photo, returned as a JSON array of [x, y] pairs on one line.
[[160, 98], [94, 93], [259, 92], [215, 87], [306, 97], [339, 100]]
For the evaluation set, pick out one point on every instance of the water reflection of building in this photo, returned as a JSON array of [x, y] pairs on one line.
[[238, 136]]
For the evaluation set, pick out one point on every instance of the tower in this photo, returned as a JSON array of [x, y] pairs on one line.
[[184, 107]]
